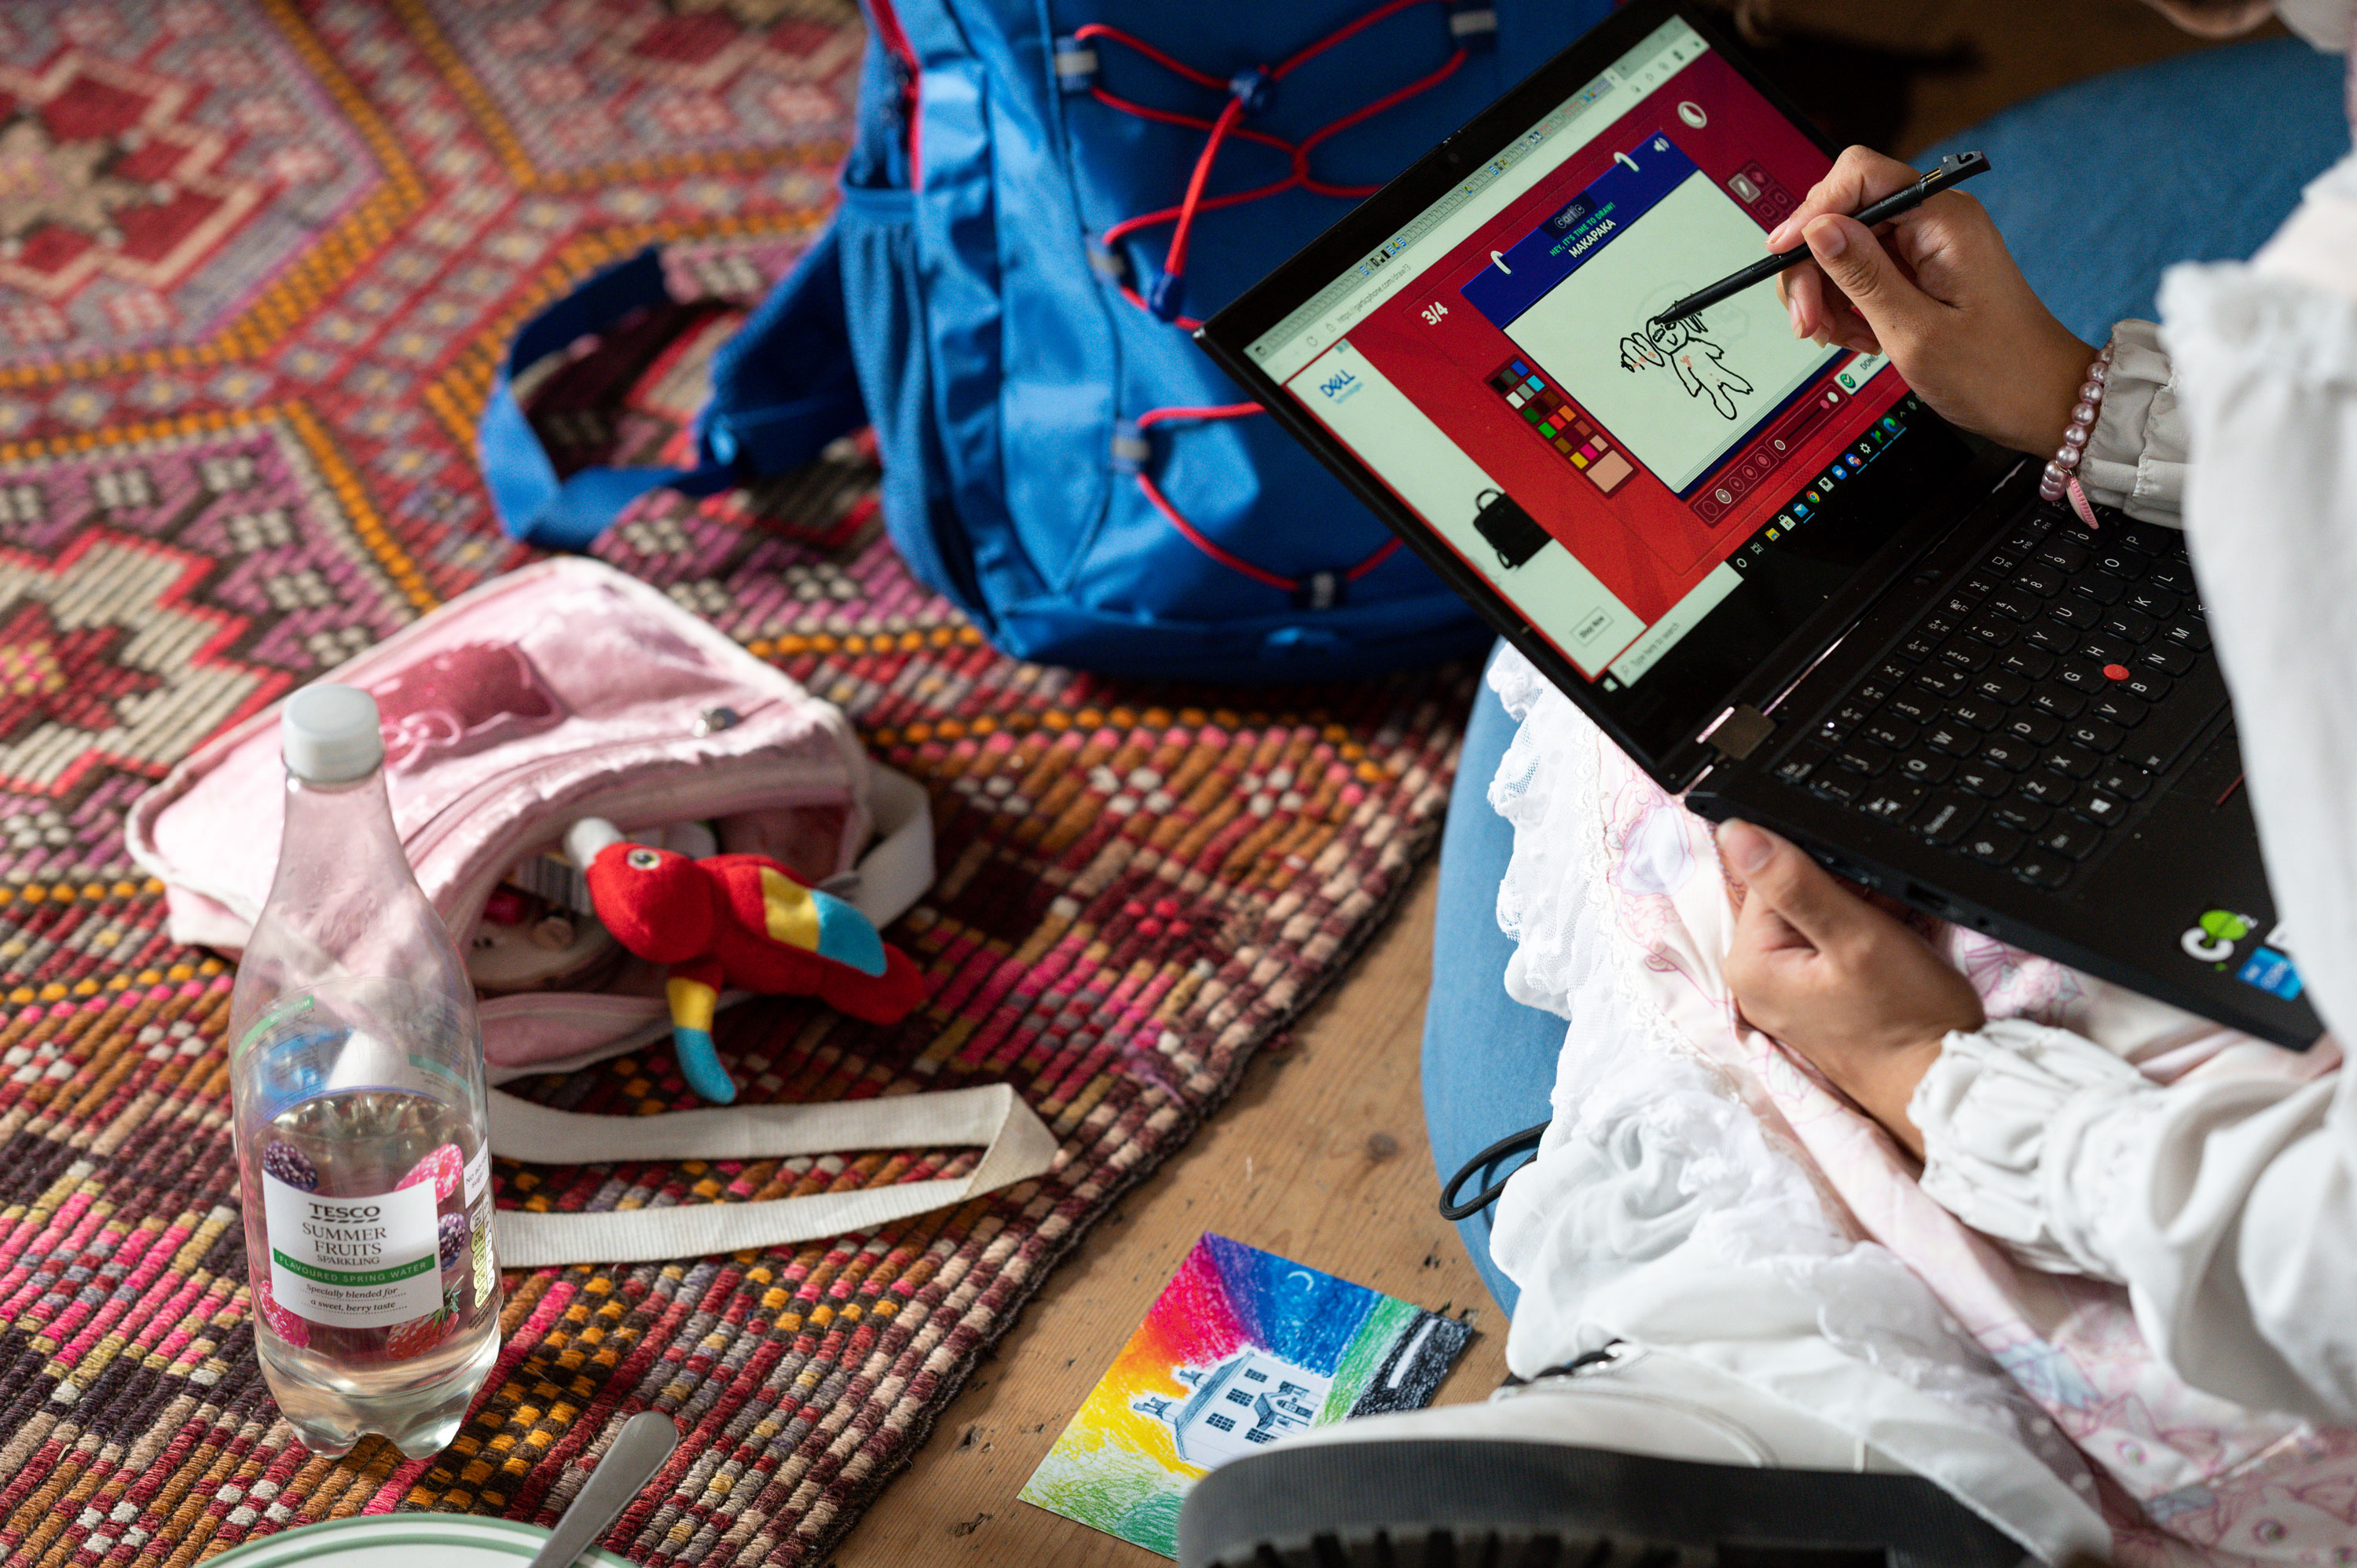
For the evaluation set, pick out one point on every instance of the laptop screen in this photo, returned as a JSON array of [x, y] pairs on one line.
[[1664, 502]]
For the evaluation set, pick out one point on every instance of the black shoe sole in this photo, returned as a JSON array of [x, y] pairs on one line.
[[1466, 1503]]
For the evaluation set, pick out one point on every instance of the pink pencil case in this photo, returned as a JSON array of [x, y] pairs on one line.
[[564, 691]]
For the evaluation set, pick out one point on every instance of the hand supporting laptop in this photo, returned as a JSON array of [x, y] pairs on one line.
[[1839, 979]]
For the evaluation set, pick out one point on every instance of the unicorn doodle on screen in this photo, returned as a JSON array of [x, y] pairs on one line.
[[1682, 348]]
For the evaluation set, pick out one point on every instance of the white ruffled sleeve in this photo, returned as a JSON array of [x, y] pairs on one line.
[[2227, 1204], [2136, 454], [2028, 1134]]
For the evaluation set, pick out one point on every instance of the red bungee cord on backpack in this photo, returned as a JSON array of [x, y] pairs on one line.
[[1318, 594], [1249, 91]]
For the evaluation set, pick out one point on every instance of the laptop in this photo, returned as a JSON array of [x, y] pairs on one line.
[[1783, 585]]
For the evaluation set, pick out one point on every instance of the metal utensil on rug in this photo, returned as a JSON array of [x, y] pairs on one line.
[[640, 1449]]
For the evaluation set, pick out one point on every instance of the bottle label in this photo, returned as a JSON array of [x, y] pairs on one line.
[[479, 1216], [478, 1173], [354, 1263]]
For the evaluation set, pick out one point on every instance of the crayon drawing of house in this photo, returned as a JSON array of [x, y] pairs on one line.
[[1237, 1405]]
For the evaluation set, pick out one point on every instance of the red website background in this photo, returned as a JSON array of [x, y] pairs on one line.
[[1644, 543]]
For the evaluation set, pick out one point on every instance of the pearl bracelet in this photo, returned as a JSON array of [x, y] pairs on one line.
[[2061, 476]]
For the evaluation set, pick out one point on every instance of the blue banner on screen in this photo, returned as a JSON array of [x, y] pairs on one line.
[[1577, 231]]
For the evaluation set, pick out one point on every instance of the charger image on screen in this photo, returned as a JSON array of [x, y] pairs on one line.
[[1578, 295]]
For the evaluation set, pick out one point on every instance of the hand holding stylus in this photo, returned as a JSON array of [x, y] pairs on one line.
[[1953, 170], [1941, 295]]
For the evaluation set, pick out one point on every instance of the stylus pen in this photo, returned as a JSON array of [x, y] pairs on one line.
[[1955, 170]]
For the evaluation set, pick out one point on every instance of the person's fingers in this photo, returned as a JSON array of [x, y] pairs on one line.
[[1859, 176], [1859, 341], [1759, 929], [1822, 314], [1777, 875], [1874, 285], [1847, 329], [1806, 296], [1762, 963], [1949, 239], [1838, 323], [1831, 317]]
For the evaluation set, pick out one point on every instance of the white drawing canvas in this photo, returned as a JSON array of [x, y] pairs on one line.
[[1677, 395]]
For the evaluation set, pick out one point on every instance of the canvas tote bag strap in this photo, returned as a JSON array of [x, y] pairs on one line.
[[1016, 1147], [898, 866]]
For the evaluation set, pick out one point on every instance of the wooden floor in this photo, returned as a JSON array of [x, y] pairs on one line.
[[1322, 1155], [1319, 1157]]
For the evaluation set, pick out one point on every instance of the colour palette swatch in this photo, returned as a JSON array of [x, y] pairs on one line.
[[1241, 1348], [1560, 426]]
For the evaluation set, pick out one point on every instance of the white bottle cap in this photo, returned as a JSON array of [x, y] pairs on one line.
[[330, 735]]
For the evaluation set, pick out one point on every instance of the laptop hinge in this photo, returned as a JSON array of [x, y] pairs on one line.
[[1737, 733]]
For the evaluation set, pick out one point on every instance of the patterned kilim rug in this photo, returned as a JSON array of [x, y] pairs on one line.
[[256, 260]]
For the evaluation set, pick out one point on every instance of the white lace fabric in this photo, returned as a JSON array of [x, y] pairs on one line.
[[1662, 1207], [2022, 1113]]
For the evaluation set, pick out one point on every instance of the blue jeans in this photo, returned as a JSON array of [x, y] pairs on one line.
[[1489, 1061], [2098, 187]]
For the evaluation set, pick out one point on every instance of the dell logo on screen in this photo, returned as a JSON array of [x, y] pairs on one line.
[[1339, 385]]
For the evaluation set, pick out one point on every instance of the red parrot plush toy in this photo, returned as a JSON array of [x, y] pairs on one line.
[[739, 921]]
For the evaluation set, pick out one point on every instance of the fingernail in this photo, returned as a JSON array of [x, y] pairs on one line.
[[1779, 234], [1827, 239], [1795, 307], [1745, 847]]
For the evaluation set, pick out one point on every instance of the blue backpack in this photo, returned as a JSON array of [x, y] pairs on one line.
[[1043, 198]]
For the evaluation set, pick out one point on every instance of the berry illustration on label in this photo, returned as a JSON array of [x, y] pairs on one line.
[[291, 1165], [443, 1167], [451, 1232], [418, 1335], [283, 1323]]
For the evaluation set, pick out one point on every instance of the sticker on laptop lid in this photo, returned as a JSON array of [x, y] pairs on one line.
[[2212, 938], [2268, 966], [2272, 973]]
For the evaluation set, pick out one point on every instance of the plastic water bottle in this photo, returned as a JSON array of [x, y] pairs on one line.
[[355, 1075]]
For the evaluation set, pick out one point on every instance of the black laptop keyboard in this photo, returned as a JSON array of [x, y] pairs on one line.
[[2025, 719]]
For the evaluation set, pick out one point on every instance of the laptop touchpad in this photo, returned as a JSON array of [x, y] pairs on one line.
[[2217, 774]]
